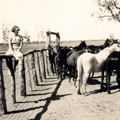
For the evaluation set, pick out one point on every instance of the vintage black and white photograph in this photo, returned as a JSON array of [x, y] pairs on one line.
[[59, 60]]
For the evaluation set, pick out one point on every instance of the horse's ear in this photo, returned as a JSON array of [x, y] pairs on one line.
[[111, 42]]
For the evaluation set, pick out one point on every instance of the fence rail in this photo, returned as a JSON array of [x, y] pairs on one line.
[[30, 72]]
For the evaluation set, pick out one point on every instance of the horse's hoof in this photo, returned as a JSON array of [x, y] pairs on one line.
[[79, 93], [109, 92], [86, 94], [103, 88]]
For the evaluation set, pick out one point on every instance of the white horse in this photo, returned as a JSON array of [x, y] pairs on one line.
[[88, 62]]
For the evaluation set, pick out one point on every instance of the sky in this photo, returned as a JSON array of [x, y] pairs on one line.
[[71, 18]]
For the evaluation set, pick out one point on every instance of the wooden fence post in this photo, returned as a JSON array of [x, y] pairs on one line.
[[46, 64], [32, 68], [22, 77], [57, 42], [48, 43], [3, 107], [42, 64], [39, 76], [50, 68], [48, 39], [9, 63], [28, 77]]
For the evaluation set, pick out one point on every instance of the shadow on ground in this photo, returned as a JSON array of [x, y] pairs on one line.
[[54, 96]]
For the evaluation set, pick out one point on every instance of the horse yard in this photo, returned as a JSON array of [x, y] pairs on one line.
[[98, 105], [61, 101]]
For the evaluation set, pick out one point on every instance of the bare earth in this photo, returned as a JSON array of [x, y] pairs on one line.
[[98, 105], [68, 105]]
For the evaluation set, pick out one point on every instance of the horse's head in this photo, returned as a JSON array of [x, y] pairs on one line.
[[82, 44], [109, 42]]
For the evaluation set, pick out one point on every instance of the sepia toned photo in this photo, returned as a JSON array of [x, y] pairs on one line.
[[59, 60]]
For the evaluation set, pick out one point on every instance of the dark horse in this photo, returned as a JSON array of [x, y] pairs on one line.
[[57, 58], [62, 57], [72, 61], [97, 49], [80, 46], [113, 63], [94, 48], [61, 61], [52, 57]]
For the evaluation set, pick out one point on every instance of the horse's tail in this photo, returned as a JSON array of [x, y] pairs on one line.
[[79, 71], [79, 68]]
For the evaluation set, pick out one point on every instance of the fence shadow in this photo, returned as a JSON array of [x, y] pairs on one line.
[[34, 101], [57, 97], [39, 115], [24, 110]]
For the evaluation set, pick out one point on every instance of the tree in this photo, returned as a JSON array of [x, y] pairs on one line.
[[5, 33], [109, 9], [27, 37], [42, 34]]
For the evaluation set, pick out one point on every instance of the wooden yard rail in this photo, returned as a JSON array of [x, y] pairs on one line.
[[30, 72]]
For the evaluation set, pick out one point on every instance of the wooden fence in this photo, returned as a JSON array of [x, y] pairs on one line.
[[30, 72]]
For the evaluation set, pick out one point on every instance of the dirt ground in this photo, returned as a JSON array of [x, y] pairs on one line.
[[98, 105]]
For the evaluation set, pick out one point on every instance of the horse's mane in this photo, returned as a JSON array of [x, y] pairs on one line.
[[109, 48], [69, 53]]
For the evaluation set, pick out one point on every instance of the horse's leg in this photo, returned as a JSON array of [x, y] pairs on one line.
[[85, 78], [79, 79], [118, 79], [64, 71], [79, 85], [108, 81], [92, 74], [60, 72], [102, 79], [69, 75], [70, 71], [55, 65], [52, 67], [75, 77], [55, 69]]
